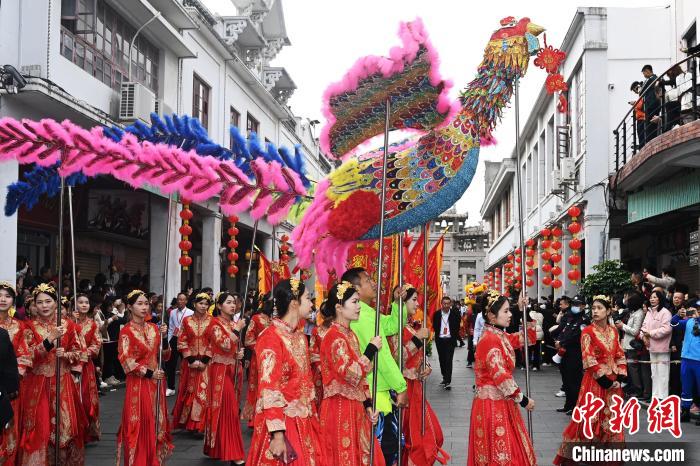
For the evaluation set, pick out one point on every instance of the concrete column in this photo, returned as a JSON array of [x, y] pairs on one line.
[[596, 242], [9, 171], [211, 243], [158, 229]]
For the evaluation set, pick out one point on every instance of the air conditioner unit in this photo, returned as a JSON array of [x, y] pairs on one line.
[[556, 182], [568, 170], [136, 103]]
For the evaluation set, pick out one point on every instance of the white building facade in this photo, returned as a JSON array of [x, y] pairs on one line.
[[74, 56], [565, 158]]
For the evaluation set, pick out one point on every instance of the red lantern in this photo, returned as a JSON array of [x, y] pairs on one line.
[[575, 244], [232, 244], [546, 244], [511, 257], [574, 275], [556, 232], [232, 270], [233, 231], [546, 256], [546, 232], [186, 213], [530, 252], [517, 251], [284, 238], [574, 260], [185, 245], [556, 258], [530, 272], [185, 230], [185, 261], [574, 227], [547, 281], [574, 211], [517, 285], [556, 284], [546, 268], [556, 245], [556, 271], [530, 283], [530, 243], [517, 269], [530, 262]]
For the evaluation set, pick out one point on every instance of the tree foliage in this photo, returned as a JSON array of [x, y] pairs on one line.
[[609, 278]]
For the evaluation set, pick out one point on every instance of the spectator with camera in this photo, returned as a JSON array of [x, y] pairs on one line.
[[630, 323]]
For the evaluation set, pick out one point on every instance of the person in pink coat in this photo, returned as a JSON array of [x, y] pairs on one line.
[[656, 333]]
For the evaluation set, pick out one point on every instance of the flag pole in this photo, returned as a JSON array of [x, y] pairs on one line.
[[385, 157], [400, 348], [521, 238], [168, 229], [59, 286], [245, 301], [425, 318]]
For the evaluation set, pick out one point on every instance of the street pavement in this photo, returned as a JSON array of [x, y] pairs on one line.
[[452, 408]]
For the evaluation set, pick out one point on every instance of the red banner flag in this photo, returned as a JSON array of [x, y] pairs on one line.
[[366, 253], [413, 274], [434, 285], [269, 271]]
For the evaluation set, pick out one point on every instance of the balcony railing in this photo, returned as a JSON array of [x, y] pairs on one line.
[[668, 101]]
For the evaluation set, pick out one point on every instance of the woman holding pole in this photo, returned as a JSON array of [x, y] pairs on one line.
[[421, 449], [39, 387], [286, 424], [497, 434], [88, 382], [139, 343], [346, 410], [222, 437], [195, 346]]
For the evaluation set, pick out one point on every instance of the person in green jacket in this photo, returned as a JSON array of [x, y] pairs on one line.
[[389, 376]]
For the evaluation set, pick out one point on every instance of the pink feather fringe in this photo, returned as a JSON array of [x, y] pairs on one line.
[[412, 35], [169, 169]]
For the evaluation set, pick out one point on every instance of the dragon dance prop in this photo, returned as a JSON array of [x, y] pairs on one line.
[[427, 173]]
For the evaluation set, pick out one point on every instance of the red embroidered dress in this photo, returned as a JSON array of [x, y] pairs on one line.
[[602, 357], [88, 382], [9, 437], [138, 354], [497, 434], [258, 323], [421, 450], [317, 334], [346, 431], [193, 343], [39, 398], [286, 397], [222, 437]]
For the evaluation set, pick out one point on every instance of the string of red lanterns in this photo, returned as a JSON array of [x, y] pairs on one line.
[[232, 245], [546, 256], [575, 244], [556, 256], [185, 230], [518, 270], [530, 252]]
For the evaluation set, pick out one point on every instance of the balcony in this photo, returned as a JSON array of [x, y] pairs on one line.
[[652, 150]]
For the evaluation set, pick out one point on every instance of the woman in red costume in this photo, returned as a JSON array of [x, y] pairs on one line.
[[139, 344], [317, 334], [497, 434], [39, 387], [421, 450], [605, 370], [88, 382], [286, 423], [9, 436], [346, 410], [194, 344], [222, 437], [258, 322]]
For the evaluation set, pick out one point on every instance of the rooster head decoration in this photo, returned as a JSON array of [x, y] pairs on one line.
[[427, 173]]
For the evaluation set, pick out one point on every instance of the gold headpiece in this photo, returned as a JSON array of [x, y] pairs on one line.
[[134, 293], [8, 286], [602, 297], [493, 296], [343, 287], [201, 296], [44, 288], [294, 284], [406, 287], [218, 295]]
